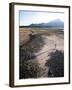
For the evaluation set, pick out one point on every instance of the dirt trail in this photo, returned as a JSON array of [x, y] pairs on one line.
[[51, 43]]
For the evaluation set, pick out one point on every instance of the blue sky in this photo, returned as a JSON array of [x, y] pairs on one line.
[[29, 17]]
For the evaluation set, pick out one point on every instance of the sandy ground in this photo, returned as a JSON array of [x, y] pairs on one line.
[[24, 37], [51, 43]]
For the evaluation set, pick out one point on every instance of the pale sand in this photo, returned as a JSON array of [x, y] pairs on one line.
[[50, 42]]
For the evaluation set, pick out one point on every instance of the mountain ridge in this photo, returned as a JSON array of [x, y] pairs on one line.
[[54, 23], [57, 23]]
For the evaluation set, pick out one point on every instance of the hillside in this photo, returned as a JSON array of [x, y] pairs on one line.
[[57, 24]]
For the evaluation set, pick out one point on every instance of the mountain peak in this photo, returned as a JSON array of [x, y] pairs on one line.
[[57, 20], [57, 23]]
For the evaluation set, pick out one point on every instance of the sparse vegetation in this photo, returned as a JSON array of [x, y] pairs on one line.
[[56, 64], [30, 69], [25, 55], [35, 44], [27, 51]]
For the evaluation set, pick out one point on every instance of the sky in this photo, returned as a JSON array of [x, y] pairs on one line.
[[35, 17]]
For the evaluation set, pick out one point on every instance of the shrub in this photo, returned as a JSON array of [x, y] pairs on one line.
[[30, 69], [25, 55], [56, 64]]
